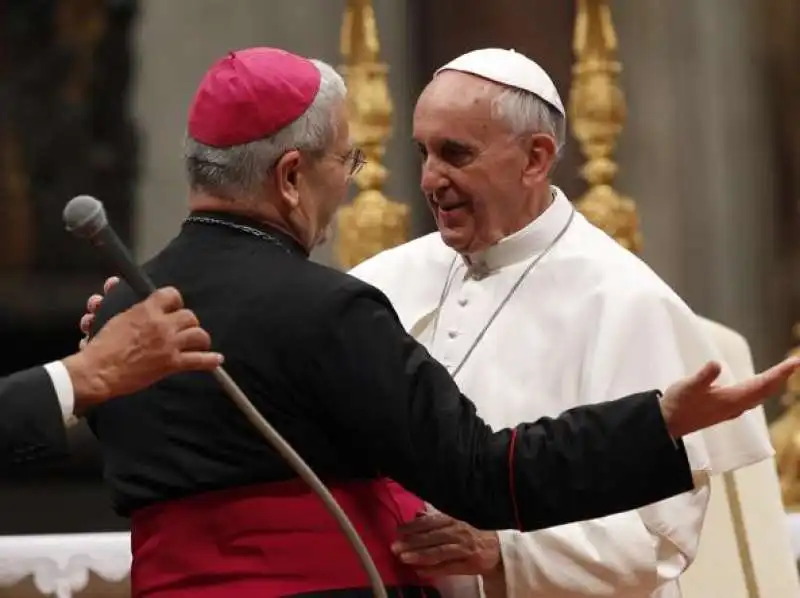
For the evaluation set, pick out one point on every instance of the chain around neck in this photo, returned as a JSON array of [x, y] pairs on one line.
[[265, 236], [449, 282]]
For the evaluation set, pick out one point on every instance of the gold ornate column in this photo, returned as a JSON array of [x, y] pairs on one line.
[[597, 114], [373, 222], [785, 433], [783, 51]]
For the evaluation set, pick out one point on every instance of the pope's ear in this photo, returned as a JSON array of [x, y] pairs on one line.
[[542, 155], [286, 177]]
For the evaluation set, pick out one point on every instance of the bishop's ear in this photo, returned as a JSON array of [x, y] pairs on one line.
[[542, 154], [287, 170]]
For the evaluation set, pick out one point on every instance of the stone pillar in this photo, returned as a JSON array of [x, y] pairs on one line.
[[179, 39], [695, 156]]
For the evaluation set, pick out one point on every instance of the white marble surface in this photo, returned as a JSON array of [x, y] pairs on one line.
[[60, 563]]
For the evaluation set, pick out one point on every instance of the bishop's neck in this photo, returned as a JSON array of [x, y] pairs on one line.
[[259, 211]]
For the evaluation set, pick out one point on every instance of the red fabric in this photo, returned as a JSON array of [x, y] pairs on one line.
[[267, 540], [512, 478], [251, 94]]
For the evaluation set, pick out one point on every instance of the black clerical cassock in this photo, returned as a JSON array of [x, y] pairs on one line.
[[216, 512]]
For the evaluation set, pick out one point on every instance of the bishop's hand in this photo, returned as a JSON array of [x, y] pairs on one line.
[[92, 305], [695, 403]]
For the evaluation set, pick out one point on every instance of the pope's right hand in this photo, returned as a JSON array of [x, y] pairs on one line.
[[696, 403], [92, 305]]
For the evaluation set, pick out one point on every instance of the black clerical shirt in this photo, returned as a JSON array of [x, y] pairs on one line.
[[325, 359]]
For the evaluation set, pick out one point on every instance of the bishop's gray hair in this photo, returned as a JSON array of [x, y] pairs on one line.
[[525, 112], [238, 172]]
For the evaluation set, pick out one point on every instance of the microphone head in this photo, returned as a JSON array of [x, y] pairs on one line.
[[84, 216]]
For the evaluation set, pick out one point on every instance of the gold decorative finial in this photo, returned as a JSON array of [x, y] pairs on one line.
[[597, 113], [373, 222], [785, 435]]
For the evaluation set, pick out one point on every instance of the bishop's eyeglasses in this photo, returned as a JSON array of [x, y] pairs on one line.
[[353, 160]]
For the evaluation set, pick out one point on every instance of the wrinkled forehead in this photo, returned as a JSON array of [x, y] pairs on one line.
[[456, 103]]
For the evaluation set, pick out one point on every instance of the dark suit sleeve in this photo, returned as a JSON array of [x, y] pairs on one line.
[[387, 399], [31, 422]]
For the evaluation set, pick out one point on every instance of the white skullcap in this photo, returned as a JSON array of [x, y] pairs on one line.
[[510, 68]]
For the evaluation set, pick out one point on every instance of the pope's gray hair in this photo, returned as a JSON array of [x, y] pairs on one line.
[[524, 112], [238, 172]]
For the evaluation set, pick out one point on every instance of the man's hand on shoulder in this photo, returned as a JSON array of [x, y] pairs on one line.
[[154, 339]]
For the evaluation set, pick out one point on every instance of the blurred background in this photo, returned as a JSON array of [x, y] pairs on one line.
[[93, 99]]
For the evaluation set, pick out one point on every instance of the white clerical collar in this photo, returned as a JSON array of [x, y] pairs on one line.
[[525, 243]]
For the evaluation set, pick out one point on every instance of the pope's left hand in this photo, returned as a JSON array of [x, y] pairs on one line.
[[437, 545]]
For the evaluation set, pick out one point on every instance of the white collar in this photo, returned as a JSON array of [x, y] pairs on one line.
[[525, 243]]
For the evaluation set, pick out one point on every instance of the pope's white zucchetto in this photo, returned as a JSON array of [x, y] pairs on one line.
[[509, 68]]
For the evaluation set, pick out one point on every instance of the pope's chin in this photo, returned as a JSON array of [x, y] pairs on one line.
[[457, 238]]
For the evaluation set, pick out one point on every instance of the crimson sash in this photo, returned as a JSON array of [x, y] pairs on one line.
[[275, 539]]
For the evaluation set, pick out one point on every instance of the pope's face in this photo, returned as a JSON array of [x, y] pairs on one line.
[[477, 176]]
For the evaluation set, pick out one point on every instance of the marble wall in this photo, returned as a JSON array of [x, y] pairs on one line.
[[698, 156]]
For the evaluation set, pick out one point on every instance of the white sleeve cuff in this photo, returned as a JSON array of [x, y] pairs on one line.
[[64, 390], [699, 461], [696, 452]]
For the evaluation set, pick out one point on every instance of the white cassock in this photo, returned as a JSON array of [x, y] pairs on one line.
[[588, 322]]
